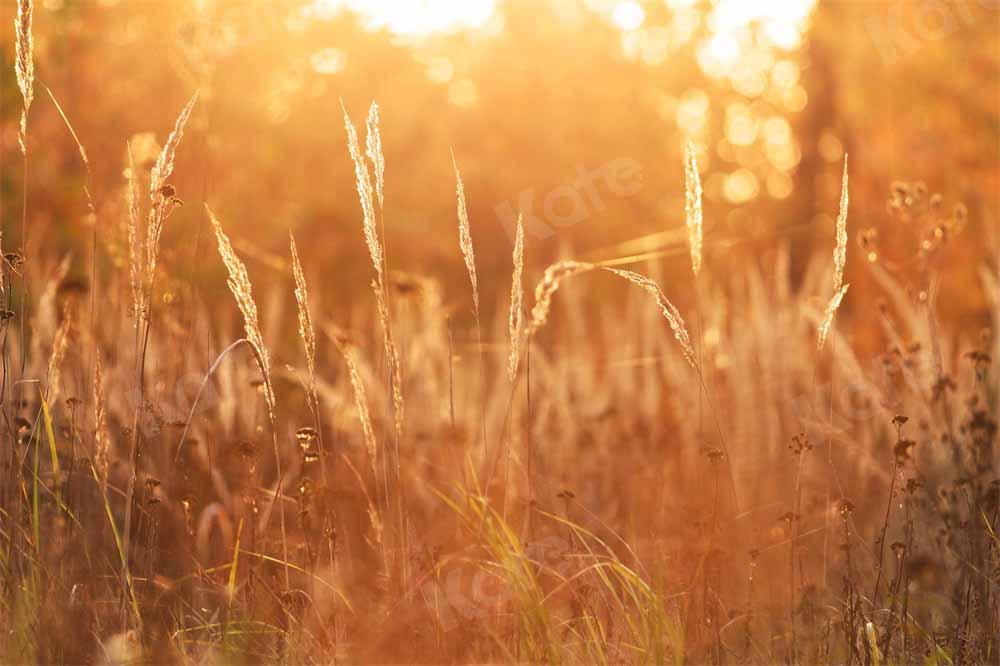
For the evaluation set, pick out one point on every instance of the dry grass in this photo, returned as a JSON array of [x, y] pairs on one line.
[[161, 194], [465, 239], [839, 263], [376, 249], [60, 344], [669, 310], [242, 290], [828, 315], [349, 354], [24, 65], [606, 539], [515, 321], [840, 250], [373, 149], [102, 463], [547, 287], [693, 216], [307, 332]]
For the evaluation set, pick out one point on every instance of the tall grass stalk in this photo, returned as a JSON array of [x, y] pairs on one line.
[[162, 204], [469, 256], [840, 290], [307, 334], [242, 290], [367, 194], [24, 70]]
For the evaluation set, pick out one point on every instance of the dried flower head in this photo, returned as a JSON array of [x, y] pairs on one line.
[[788, 517], [714, 455], [248, 450], [306, 437], [800, 444]]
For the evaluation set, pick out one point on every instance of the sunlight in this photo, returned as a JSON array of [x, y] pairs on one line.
[[628, 15], [780, 23], [499, 332], [746, 42], [412, 18]]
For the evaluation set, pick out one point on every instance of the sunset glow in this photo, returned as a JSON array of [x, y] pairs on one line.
[[412, 17], [499, 332]]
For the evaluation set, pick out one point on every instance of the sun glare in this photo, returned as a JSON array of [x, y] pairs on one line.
[[412, 18], [628, 15], [781, 24]]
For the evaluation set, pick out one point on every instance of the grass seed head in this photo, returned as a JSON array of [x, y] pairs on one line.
[[242, 290], [515, 323], [547, 287], [24, 65], [692, 207], [465, 237], [840, 250]]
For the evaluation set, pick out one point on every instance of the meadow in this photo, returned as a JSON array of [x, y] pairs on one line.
[[722, 448]]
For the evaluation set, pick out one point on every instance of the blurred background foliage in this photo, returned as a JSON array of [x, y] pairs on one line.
[[528, 94]]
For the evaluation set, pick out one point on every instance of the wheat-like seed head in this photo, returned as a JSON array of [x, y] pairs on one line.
[[160, 203], [239, 284], [465, 237], [101, 445], [831, 310], [373, 147], [24, 65], [692, 206], [840, 251], [516, 319], [347, 350], [670, 312], [164, 166], [135, 243], [306, 330], [365, 194], [546, 288]]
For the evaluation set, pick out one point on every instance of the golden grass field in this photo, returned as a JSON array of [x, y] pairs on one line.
[[282, 385]]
